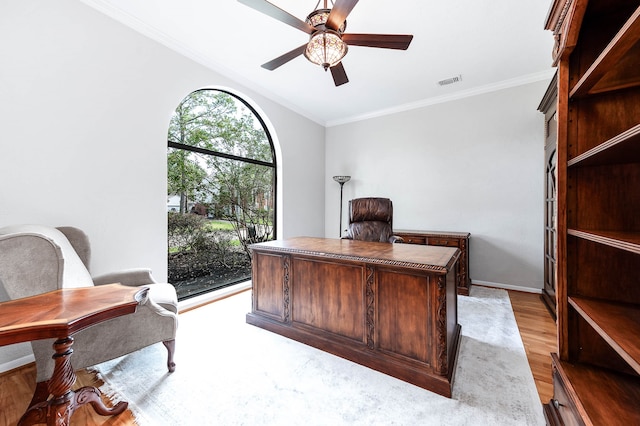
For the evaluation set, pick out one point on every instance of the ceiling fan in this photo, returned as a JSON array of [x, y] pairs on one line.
[[328, 43]]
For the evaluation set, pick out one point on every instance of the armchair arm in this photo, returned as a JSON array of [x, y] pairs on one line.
[[130, 277]]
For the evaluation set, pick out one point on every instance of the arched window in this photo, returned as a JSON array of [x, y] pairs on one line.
[[221, 181]]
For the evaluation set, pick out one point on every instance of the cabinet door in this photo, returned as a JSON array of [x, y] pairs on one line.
[[550, 231], [549, 107]]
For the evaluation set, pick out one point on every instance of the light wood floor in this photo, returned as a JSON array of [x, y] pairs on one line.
[[537, 329], [538, 332]]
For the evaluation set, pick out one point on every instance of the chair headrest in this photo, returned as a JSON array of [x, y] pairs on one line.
[[371, 208], [31, 259]]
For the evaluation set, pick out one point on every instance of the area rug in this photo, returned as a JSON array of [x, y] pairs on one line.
[[232, 373]]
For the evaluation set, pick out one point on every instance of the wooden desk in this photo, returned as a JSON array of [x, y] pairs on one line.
[[59, 314], [445, 239], [390, 307]]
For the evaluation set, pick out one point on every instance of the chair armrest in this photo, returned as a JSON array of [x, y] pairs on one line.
[[130, 277]]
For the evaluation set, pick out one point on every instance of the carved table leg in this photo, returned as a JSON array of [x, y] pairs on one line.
[[58, 410]]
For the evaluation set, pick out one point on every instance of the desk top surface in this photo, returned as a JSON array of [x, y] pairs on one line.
[[62, 312], [440, 259]]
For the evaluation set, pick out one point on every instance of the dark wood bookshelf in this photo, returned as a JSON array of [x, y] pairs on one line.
[[596, 371]]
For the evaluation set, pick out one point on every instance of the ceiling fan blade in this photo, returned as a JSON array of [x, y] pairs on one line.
[[279, 14], [339, 13], [339, 74], [385, 41], [283, 59]]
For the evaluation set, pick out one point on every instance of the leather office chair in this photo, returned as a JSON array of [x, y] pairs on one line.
[[371, 219], [35, 259]]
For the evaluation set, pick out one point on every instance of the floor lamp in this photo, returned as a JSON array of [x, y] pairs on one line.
[[341, 180]]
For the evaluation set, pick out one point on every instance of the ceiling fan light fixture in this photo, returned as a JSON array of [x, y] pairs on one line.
[[328, 43], [325, 48]]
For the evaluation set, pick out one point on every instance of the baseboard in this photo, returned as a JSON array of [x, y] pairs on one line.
[[16, 363], [212, 296], [507, 286]]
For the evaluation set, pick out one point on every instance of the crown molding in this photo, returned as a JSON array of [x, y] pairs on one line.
[[546, 75]]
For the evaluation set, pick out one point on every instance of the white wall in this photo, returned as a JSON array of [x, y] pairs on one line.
[[472, 165], [84, 110], [85, 105]]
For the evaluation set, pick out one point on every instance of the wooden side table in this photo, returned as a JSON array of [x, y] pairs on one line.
[[59, 314]]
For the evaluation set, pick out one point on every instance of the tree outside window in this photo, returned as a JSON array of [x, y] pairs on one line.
[[221, 191]]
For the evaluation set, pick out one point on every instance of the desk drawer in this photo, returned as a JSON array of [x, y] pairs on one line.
[[561, 401], [563, 404], [413, 239], [440, 241]]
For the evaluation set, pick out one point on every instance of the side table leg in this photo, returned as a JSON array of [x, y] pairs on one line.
[[58, 410], [91, 395]]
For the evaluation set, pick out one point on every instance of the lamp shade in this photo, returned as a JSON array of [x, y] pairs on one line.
[[326, 48]]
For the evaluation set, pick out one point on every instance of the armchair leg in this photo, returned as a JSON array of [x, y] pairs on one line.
[[171, 348], [41, 393]]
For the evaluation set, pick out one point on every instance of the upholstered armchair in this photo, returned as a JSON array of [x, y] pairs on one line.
[[371, 219], [35, 259]]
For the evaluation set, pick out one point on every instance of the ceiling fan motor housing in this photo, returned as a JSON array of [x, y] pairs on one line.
[[318, 19]]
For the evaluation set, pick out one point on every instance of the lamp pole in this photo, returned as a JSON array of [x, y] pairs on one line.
[[341, 180]]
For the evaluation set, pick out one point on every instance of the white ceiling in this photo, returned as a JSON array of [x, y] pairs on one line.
[[491, 43]]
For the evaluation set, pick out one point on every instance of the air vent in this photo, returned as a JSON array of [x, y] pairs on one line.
[[450, 80]]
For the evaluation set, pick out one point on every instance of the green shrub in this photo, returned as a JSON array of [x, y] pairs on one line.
[[187, 232], [197, 247]]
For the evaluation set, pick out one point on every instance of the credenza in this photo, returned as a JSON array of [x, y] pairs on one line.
[[390, 307], [445, 239]]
